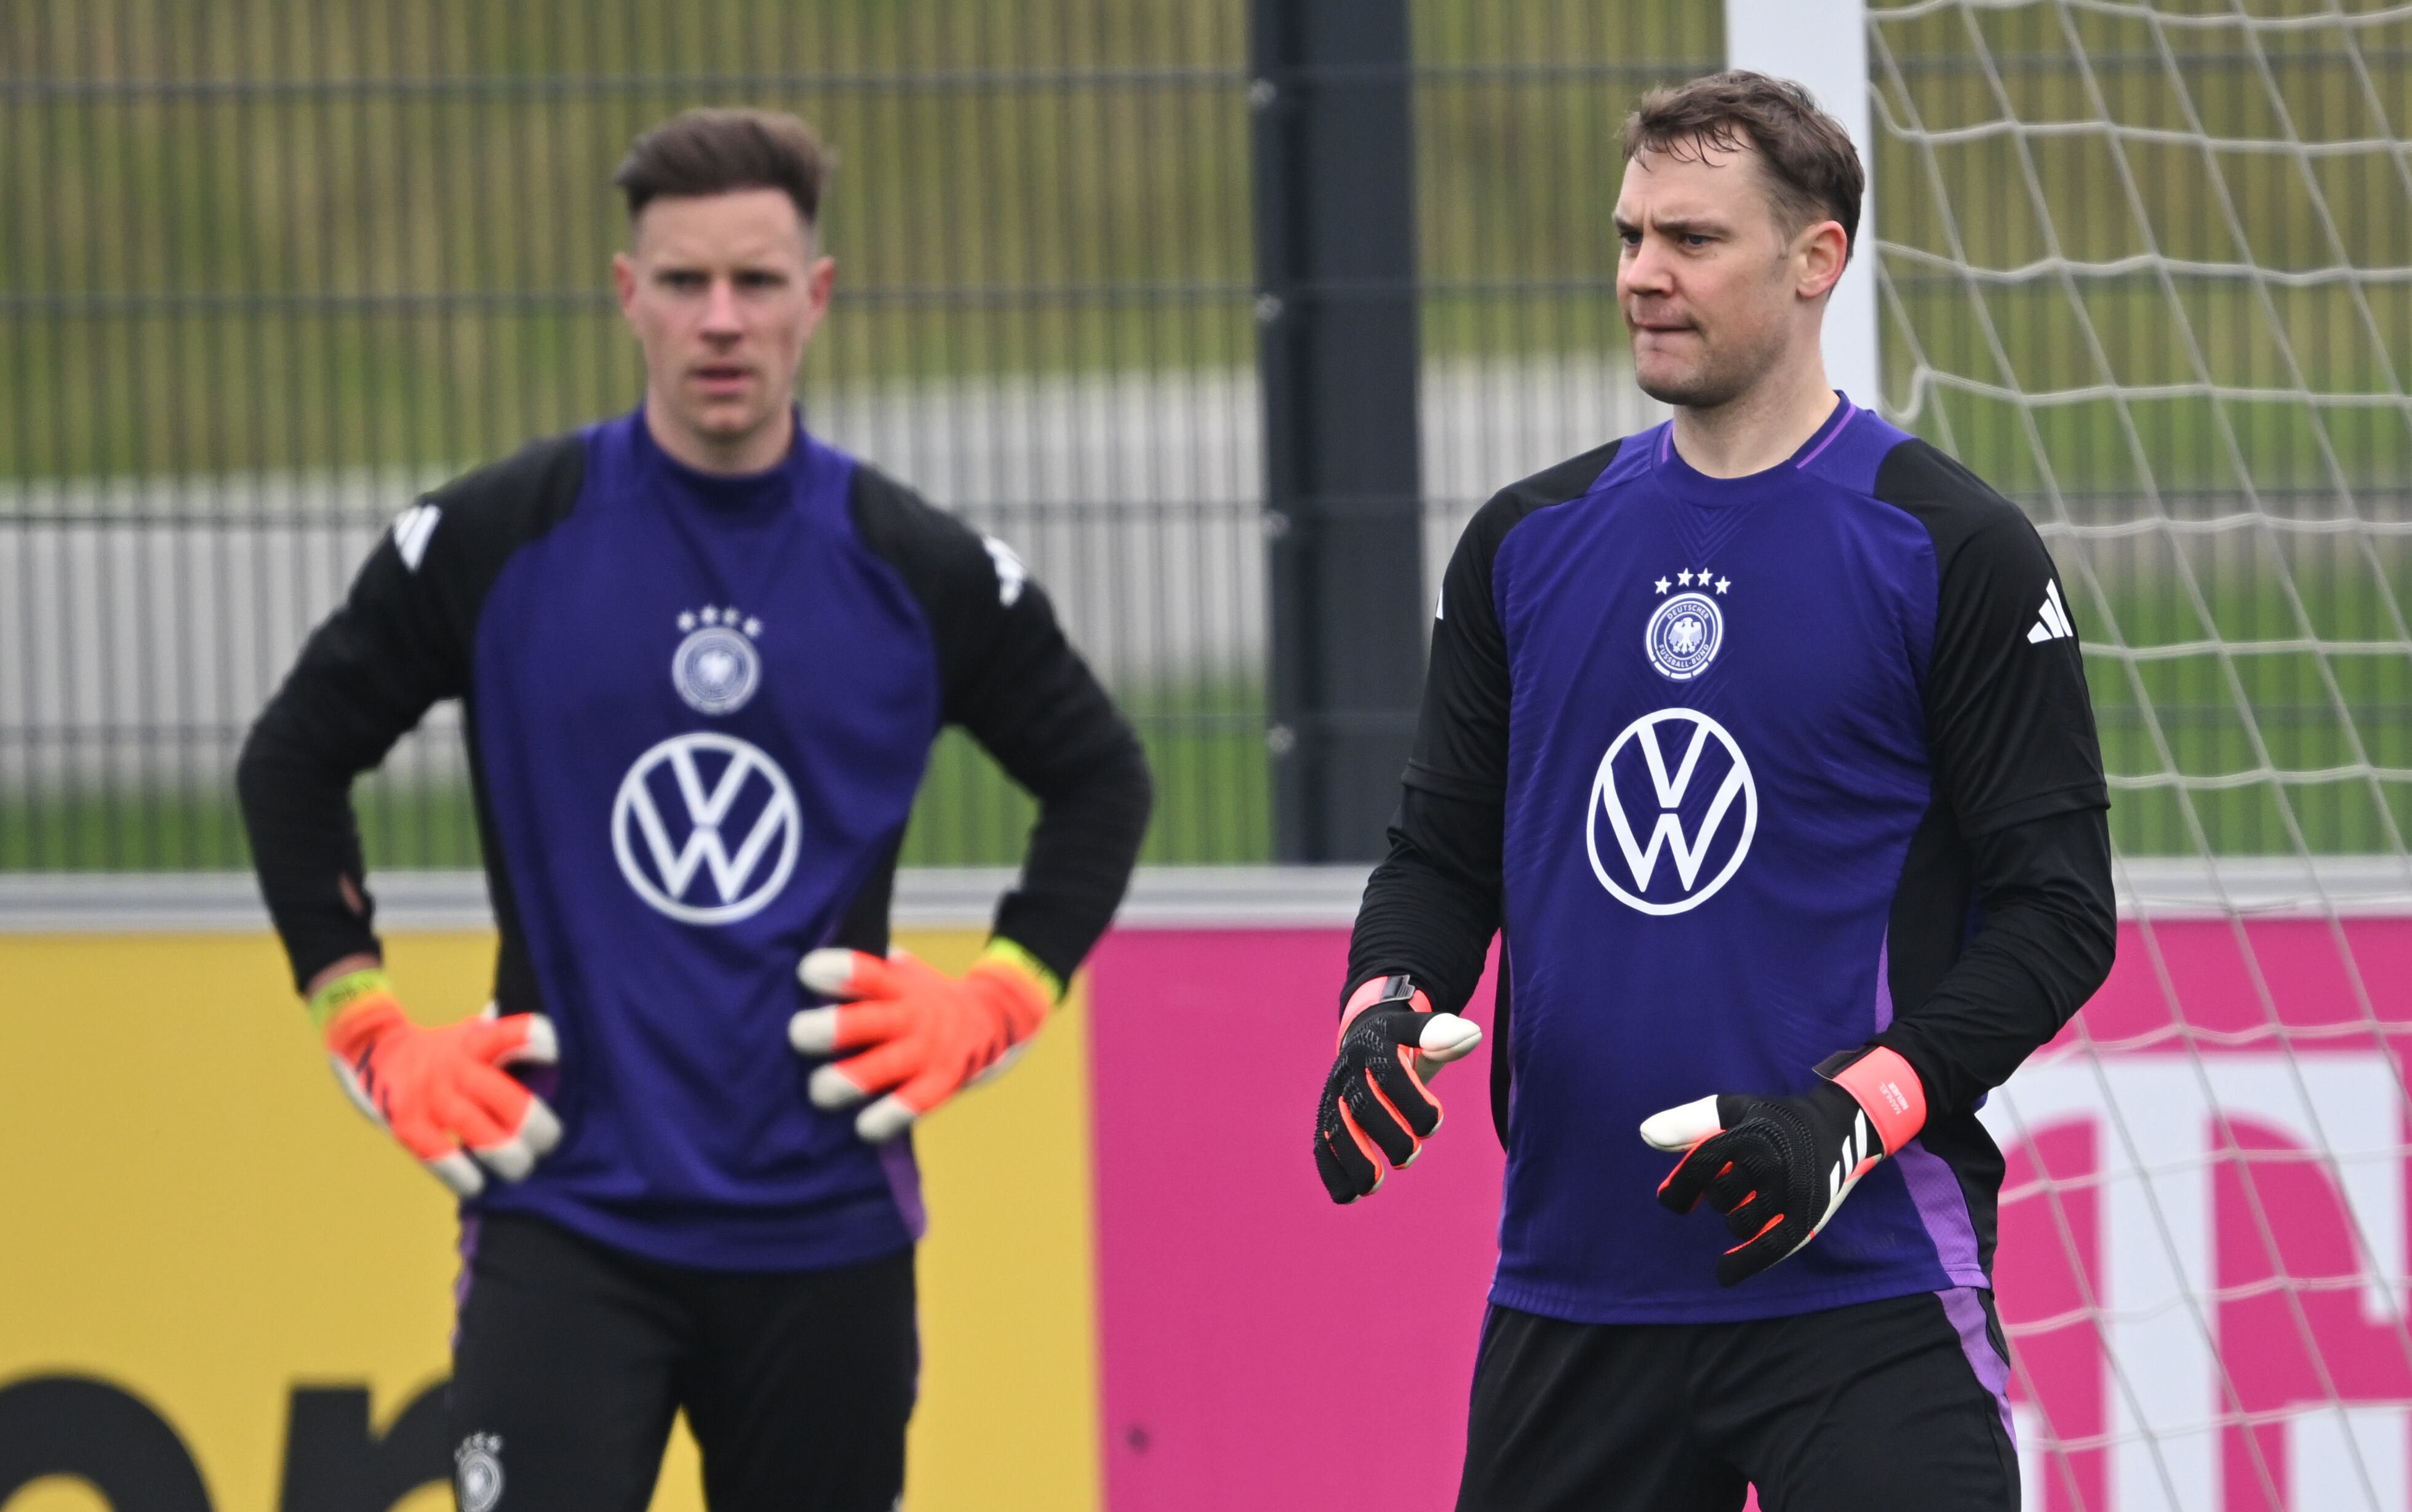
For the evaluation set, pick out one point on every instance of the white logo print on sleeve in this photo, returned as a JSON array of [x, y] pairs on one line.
[[1010, 574], [748, 783], [2051, 621], [1736, 793], [412, 530]]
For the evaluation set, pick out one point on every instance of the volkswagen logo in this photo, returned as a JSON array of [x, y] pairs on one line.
[[1701, 805], [719, 788]]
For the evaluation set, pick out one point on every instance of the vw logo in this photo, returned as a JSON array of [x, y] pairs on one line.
[[720, 785], [1709, 781]]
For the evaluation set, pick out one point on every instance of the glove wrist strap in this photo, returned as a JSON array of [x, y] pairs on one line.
[[1377, 992], [1883, 1084], [1010, 953], [329, 1001]]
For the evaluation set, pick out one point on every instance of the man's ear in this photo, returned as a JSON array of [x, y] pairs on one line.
[[820, 277], [1822, 251], [624, 279]]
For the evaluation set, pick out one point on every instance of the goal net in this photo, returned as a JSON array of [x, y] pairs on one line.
[[2148, 268]]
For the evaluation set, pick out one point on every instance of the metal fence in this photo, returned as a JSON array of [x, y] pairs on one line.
[[268, 268]]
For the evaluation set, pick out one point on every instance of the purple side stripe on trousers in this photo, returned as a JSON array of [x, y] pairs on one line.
[[1967, 1310], [468, 1269], [1933, 1185], [905, 1185]]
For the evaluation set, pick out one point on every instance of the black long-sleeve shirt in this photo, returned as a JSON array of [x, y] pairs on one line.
[[1746, 772], [698, 710]]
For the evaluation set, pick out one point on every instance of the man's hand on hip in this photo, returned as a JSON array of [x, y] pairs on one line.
[[441, 1093], [914, 1033]]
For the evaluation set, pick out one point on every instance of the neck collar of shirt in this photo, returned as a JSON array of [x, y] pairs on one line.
[[1690, 484], [769, 489]]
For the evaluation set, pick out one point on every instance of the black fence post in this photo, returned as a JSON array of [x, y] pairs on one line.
[[1334, 206]]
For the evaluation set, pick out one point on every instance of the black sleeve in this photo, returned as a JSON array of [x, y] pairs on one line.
[[364, 680], [2050, 925], [2018, 789], [2009, 722], [398, 644], [1433, 904], [1011, 679]]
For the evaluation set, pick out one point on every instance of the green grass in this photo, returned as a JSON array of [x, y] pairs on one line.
[[272, 235], [1212, 806], [377, 233], [1206, 748], [2216, 719]]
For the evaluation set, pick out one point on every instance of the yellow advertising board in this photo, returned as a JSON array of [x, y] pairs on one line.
[[212, 1261]]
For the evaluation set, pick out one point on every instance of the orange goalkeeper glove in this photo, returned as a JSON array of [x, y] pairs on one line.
[[922, 1036], [441, 1093]]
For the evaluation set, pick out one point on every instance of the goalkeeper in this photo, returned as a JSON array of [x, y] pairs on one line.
[[702, 656], [1763, 739]]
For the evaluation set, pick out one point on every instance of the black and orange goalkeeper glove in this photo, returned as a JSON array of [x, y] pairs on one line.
[[1779, 1167], [1375, 1106]]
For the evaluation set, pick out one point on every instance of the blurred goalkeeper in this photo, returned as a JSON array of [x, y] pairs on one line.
[[1763, 738], [702, 657]]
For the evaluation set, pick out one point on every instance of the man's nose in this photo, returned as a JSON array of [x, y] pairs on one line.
[[720, 310], [1646, 270]]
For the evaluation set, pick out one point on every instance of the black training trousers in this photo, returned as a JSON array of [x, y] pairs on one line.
[[1885, 1405], [573, 1359]]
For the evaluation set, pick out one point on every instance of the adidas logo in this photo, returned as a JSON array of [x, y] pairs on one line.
[[411, 531], [1856, 1146], [2051, 623]]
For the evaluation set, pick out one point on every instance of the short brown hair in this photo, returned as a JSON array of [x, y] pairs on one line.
[[720, 151], [1811, 164]]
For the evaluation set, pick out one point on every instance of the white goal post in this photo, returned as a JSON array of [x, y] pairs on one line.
[[2148, 268], [1824, 45]]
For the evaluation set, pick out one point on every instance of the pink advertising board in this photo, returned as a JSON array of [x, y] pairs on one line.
[[1264, 1348], [2203, 1176], [2204, 1228]]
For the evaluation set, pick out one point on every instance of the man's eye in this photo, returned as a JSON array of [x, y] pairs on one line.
[[760, 281], [683, 282]]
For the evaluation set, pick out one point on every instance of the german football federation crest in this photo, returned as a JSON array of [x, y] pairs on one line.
[[1675, 787], [1685, 633], [716, 668], [477, 1472]]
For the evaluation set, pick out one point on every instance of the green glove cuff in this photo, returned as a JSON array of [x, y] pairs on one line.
[[344, 991], [1005, 950]]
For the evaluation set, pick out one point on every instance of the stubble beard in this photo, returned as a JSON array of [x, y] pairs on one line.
[[723, 429], [1706, 385], [733, 420]]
